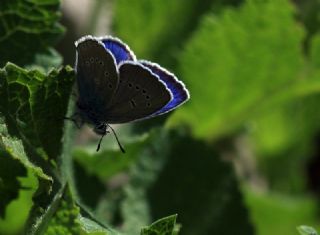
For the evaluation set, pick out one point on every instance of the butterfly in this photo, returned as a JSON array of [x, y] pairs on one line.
[[114, 87]]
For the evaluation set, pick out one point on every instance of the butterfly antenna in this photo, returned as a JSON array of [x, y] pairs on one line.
[[98, 147], [115, 135]]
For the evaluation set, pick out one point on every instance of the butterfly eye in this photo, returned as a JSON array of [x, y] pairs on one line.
[[148, 104], [97, 59], [91, 59], [106, 74], [144, 91], [101, 62], [130, 85], [110, 85], [87, 63], [137, 87], [147, 97]]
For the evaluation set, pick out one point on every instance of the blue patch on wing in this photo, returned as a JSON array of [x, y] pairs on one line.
[[119, 50], [177, 88]]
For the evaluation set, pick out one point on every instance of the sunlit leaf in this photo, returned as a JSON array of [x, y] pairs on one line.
[[34, 105], [148, 28], [237, 61], [91, 227], [14, 163], [65, 216], [164, 226], [283, 149], [13, 222], [10, 170]]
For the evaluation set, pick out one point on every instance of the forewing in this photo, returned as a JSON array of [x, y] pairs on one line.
[[140, 93], [177, 87], [97, 76]]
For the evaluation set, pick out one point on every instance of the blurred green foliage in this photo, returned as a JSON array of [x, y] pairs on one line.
[[14, 222], [279, 213], [158, 29], [246, 68], [239, 158], [27, 28]]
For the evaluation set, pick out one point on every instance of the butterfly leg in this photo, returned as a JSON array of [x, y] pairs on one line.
[[77, 121]]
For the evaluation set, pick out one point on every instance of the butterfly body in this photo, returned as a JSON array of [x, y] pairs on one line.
[[114, 87]]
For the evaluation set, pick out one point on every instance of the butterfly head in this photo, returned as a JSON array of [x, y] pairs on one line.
[[100, 128]]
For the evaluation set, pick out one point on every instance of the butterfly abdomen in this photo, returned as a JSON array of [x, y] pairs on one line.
[[89, 114]]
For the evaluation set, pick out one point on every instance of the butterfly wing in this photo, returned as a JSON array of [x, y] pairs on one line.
[[177, 88], [119, 49], [140, 93], [97, 75]]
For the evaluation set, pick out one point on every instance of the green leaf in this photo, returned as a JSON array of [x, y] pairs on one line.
[[14, 162], [245, 56], [34, 105], [176, 174], [315, 51], [148, 28], [46, 61], [89, 188], [278, 214], [164, 226], [10, 170], [14, 147], [306, 230], [93, 169], [294, 123], [41, 215], [14, 222], [134, 207], [32, 108], [308, 15], [65, 217], [91, 227], [284, 148], [27, 28], [109, 161]]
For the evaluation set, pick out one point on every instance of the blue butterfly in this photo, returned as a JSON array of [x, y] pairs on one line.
[[115, 87]]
